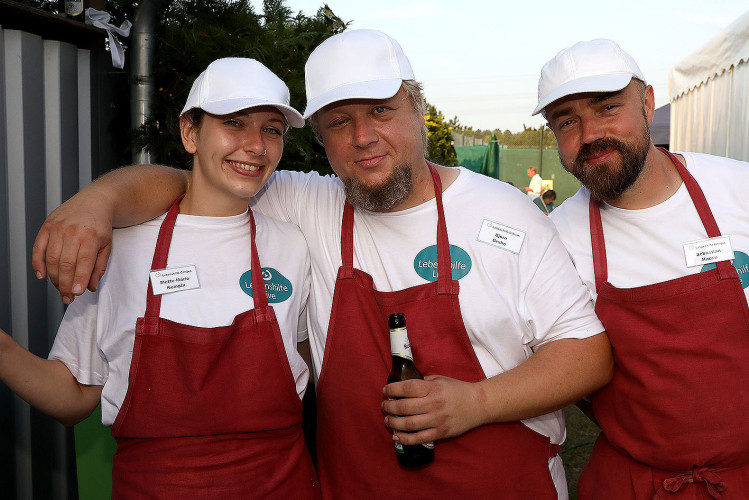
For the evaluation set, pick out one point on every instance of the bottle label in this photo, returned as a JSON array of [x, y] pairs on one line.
[[399, 345]]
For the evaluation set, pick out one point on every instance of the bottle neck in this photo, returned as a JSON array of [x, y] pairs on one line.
[[399, 344]]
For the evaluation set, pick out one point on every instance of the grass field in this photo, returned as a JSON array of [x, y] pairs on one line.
[[581, 434]]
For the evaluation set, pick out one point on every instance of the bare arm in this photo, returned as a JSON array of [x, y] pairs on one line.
[[46, 384], [560, 373], [74, 242]]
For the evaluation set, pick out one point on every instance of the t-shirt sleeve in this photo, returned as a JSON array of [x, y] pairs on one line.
[[76, 341], [557, 302]]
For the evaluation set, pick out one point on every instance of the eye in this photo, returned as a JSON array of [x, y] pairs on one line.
[[273, 130], [337, 122], [378, 110], [232, 122], [564, 124]]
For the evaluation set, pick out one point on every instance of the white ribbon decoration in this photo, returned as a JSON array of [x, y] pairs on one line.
[[100, 19]]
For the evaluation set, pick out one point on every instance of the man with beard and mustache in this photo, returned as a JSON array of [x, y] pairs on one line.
[[504, 331], [653, 236]]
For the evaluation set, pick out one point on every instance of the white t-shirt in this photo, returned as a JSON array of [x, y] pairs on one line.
[[96, 337], [511, 302], [535, 186], [647, 246]]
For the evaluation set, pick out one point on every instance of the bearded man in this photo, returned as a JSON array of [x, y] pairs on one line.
[[654, 236], [497, 318]]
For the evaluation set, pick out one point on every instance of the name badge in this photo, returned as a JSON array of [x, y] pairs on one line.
[[707, 251], [174, 279], [501, 236]]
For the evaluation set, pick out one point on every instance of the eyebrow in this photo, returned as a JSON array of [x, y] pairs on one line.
[[605, 96], [599, 98]]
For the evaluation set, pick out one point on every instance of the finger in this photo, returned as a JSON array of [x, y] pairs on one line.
[[409, 423], [38, 253], [87, 259], [52, 257], [66, 268], [424, 436], [406, 389], [407, 406], [99, 267]]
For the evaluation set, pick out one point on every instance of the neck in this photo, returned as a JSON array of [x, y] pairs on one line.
[[657, 182], [198, 202]]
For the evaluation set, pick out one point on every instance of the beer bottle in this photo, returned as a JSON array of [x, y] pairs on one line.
[[404, 368]]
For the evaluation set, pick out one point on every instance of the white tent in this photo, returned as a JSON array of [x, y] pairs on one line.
[[709, 92]]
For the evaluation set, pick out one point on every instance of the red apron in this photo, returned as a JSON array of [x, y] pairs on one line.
[[356, 456], [210, 412], [674, 416]]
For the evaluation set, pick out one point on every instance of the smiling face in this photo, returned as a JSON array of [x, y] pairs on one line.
[[604, 138], [233, 157], [375, 146]]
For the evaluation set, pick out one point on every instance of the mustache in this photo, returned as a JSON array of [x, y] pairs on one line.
[[598, 146]]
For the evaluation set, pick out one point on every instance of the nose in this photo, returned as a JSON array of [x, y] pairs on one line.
[[591, 130], [253, 142], [364, 134]]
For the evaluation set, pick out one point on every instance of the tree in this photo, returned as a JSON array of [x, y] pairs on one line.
[[195, 32], [441, 149]]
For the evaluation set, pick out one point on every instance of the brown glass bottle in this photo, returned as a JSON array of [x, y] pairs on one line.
[[404, 369]]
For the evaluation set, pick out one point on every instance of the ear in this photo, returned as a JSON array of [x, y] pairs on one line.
[[189, 134], [649, 102]]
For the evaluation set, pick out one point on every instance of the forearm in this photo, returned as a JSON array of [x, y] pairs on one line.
[[137, 193], [47, 385], [559, 374], [438, 407], [73, 244]]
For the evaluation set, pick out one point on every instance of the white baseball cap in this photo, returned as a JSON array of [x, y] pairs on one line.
[[236, 83], [595, 66], [355, 64]]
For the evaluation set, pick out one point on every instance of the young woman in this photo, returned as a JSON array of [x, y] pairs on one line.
[[203, 390]]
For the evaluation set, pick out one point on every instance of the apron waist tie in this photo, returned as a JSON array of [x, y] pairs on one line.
[[713, 482]]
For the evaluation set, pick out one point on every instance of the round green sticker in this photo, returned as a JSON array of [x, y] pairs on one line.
[[740, 262], [277, 287], [425, 263]]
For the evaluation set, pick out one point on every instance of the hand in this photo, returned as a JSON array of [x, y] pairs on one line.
[[73, 246], [434, 408]]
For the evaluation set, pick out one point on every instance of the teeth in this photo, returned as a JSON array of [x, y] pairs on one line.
[[250, 168]]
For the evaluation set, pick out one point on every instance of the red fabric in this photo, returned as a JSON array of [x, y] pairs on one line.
[[210, 412], [356, 456], [680, 393]]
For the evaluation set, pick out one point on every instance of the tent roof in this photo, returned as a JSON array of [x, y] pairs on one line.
[[727, 48]]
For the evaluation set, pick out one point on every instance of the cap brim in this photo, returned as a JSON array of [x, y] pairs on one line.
[[227, 106], [379, 89], [597, 83]]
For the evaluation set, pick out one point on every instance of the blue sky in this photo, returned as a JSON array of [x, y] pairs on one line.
[[479, 60]]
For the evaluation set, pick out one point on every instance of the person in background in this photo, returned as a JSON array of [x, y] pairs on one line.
[[661, 241], [466, 258], [534, 187], [546, 201], [203, 391]]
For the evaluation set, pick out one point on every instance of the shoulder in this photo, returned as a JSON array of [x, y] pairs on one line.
[[699, 162], [571, 215], [478, 199], [287, 179]]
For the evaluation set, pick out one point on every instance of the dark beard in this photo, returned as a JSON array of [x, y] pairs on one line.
[[380, 198], [607, 181]]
